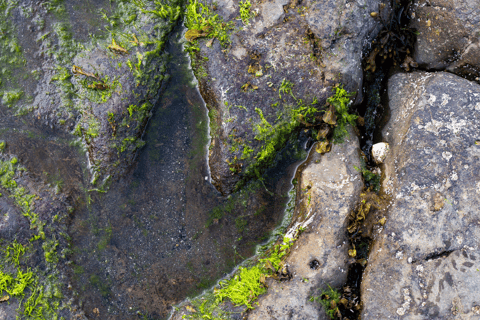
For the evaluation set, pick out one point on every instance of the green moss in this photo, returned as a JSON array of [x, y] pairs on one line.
[[214, 127], [341, 101], [200, 19], [3, 144], [330, 300], [372, 180], [14, 252], [245, 13], [11, 97], [163, 11], [15, 286], [42, 293], [243, 288], [275, 136], [12, 61], [50, 251]]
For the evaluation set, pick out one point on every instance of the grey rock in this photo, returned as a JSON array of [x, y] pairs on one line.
[[448, 35], [314, 45], [328, 189], [424, 264]]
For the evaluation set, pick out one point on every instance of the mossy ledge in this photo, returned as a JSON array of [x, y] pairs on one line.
[[238, 292], [250, 124], [102, 87], [32, 261]]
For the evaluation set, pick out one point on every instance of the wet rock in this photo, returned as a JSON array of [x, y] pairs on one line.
[[425, 263], [448, 35], [312, 45], [12, 223], [67, 68], [328, 188]]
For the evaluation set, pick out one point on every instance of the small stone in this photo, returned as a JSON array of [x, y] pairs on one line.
[[323, 147], [400, 311], [476, 310], [438, 202], [379, 152]]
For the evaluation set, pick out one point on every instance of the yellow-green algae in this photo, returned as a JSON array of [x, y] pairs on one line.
[[39, 292]]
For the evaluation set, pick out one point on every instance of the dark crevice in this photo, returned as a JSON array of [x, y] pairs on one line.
[[391, 52], [437, 255]]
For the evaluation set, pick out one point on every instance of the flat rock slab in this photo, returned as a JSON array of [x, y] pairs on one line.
[[425, 264], [328, 190]]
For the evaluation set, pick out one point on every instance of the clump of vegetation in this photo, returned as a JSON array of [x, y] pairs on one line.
[[330, 300], [246, 285], [10, 97], [39, 295], [322, 120], [203, 23], [245, 13], [165, 11], [341, 101], [372, 180]]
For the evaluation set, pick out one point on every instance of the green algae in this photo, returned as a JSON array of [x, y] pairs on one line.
[[245, 11], [12, 61], [274, 136], [201, 20], [243, 287], [341, 101], [39, 293]]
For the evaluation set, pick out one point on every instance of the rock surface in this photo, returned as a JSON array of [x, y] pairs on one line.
[[68, 68], [328, 189], [312, 45], [448, 35], [425, 263]]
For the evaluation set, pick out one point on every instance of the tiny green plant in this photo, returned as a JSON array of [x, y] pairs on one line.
[[330, 300], [371, 179], [201, 22], [286, 88], [341, 101], [245, 13]]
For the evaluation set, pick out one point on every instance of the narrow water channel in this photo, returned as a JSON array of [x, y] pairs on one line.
[[163, 232]]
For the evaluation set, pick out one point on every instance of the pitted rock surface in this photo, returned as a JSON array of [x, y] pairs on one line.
[[331, 186], [425, 263]]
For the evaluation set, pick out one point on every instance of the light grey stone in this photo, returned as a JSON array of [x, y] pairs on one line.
[[432, 176]]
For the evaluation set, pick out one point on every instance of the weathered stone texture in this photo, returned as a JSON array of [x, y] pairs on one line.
[[331, 186], [448, 36], [425, 263]]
